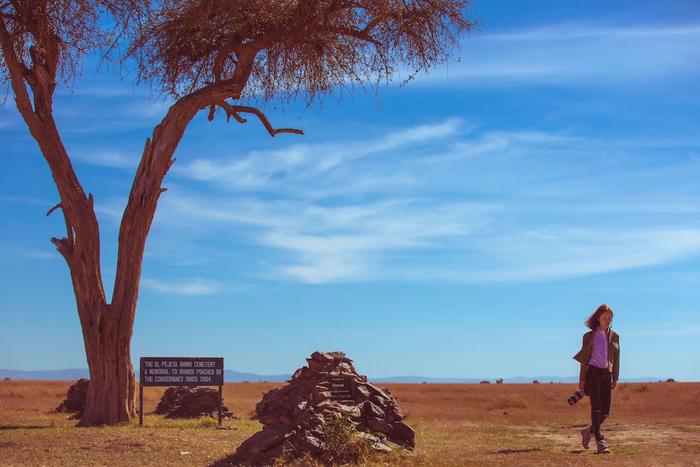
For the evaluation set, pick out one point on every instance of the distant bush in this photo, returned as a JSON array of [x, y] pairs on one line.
[[7, 378], [670, 380], [534, 381], [499, 381], [485, 382]]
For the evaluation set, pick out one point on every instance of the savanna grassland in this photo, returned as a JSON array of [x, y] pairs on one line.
[[494, 424]]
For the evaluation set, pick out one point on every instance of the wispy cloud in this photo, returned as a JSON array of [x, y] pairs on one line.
[[576, 53], [565, 252], [666, 329], [300, 162], [107, 158], [31, 253], [328, 243], [23, 200], [488, 206], [192, 287]]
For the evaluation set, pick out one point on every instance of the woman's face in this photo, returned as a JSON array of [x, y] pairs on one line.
[[604, 319]]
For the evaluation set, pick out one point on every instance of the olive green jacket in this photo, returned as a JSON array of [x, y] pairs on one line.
[[584, 355]]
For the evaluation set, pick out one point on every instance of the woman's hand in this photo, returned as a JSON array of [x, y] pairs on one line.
[[612, 386]]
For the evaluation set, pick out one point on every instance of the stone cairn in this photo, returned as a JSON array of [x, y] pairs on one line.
[[191, 402], [327, 389], [76, 398]]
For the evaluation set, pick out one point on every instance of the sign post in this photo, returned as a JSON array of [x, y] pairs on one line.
[[181, 371]]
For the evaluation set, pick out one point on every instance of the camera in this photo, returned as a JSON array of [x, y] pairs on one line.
[[575, 397]]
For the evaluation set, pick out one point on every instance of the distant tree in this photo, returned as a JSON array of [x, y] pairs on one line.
[[207, 54], [499, 381]]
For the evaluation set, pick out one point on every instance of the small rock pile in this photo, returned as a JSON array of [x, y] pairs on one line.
[[327, 389], [191, 402], [75, 398]]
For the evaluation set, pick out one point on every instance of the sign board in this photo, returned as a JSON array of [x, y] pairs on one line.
[[340, 388], [182, 371]]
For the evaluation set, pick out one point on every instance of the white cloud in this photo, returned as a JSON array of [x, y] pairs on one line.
[[328, 243], [32, 253], [676, 329], [192, 287], [576, 53], [566, 252], [300, 162], [108, 158], [23, 200], [467, 207]]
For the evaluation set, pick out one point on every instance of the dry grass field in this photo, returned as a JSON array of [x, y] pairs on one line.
[[504, 424]]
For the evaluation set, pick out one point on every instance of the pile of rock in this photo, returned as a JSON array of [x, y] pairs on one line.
[[191, 402], [75, 398], [327, 389]]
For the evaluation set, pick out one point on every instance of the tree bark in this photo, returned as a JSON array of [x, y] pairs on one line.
[[110, 398]]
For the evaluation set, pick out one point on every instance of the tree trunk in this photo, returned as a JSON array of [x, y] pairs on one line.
[[110, 398]]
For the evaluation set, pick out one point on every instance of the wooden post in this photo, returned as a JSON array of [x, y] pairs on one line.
[[141, 400], [221, 398]]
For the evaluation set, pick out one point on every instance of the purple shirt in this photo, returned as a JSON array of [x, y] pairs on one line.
[[599, 354]]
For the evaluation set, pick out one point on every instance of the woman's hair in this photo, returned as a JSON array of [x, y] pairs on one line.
[[593, 321]]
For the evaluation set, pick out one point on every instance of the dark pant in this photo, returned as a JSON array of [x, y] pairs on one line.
[[598, 387]]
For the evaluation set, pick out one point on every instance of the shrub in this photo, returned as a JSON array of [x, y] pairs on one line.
[[642, 388], [670, 380], [534, 381], [343, 444], [499, 381], [485, 382]]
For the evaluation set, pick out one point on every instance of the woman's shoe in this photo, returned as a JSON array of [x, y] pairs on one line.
[[586, 437], [602, 447]]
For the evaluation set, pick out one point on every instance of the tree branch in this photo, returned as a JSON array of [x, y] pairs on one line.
[[363, 35], [235, 111], [17, 71], [59, 205]]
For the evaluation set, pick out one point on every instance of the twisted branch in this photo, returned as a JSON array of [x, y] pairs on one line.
[[235, 111]]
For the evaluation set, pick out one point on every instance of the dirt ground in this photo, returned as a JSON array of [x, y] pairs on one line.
[[482, 424]]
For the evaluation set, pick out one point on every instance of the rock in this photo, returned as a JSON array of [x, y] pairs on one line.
[[328, 394], [402, 434], [368, 436], [361, 392], [191, 402], [381, 447], [379, 425], [371, 410], [264, 439], [311, 443], [76, 398], [322, 357]]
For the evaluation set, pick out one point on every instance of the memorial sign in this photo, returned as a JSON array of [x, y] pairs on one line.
[[181, 371], [341, 389]]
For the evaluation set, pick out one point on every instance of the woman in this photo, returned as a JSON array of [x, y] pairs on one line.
[[600, 366]]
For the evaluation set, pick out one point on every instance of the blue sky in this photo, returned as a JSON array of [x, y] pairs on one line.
[[464, 225]]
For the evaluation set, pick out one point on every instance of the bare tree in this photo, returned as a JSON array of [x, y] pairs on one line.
[[207, 54]]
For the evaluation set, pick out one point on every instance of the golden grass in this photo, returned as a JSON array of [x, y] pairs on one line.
[[504, 424]]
